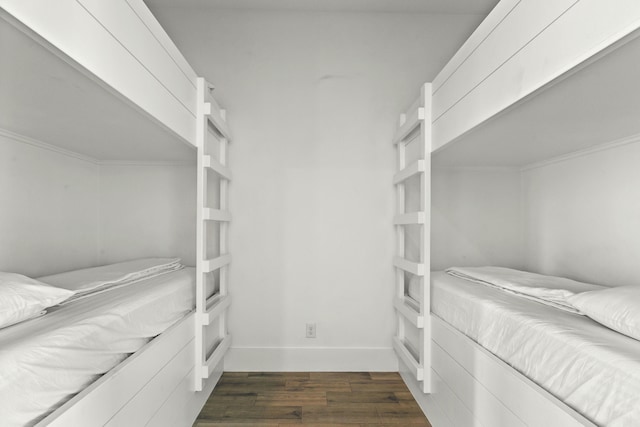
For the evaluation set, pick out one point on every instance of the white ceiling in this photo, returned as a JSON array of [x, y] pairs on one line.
[[482, 7]]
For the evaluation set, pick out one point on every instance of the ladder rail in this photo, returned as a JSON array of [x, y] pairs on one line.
[[209, 308], [414, 126]]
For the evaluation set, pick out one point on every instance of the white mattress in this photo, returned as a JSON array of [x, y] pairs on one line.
[[593, 369], [45, 361]]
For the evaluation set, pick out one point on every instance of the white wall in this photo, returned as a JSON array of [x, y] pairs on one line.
[[147, 210], [61, 212], [583, 217], [313, 99], [476, 218], [48, 211]]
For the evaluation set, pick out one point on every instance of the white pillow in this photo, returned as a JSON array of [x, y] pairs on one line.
[[22, 298], [617, 308]]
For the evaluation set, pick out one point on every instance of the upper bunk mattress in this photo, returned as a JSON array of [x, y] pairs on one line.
[[45, 361], [591, 368]]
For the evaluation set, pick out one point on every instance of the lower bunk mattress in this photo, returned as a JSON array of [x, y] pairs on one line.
[[47, 360], [591, 368]]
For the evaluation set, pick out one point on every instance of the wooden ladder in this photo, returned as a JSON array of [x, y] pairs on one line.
[[415, 125], [211, 130]]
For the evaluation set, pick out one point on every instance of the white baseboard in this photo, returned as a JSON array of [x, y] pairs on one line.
[[288, 359]]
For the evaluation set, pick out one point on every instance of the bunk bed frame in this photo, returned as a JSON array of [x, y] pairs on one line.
[[167, 382], [509, 62]]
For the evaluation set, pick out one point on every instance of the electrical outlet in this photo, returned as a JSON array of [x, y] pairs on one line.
[[311, 330]]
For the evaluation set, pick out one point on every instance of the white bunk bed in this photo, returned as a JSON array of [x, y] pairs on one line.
[[535, 82], [104, 81]]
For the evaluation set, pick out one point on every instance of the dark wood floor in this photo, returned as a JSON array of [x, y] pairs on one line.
[[311, 398]]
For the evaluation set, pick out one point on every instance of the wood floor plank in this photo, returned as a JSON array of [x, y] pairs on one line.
[[341, 376], [257, 387], [402, 413], [345, 413], [232, 398], [233, 424], [314, 399], [322, 385], [335, 425], [404, 396], [358, 386], [255, 414], [253, 380], [385, 376], [236, 374], [336, 398], [281, 375], [292, 398]]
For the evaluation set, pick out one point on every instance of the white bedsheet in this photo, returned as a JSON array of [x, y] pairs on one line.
[[593, 369], [89, 281], [550, 290], [45, 361]]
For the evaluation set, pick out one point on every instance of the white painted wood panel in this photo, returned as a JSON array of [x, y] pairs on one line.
[[102, 399], [93, 47], [484, 30], [122, 22], [150, 398], [471, 387], [427, 402], [585, 30], [150, 21], [183, 405], [533, 405], [522, 24], [485, 406], [442, 407]]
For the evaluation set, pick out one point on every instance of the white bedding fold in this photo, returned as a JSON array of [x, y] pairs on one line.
[[94, 280], [548, 290]]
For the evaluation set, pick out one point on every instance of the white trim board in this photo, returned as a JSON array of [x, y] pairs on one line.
[[313, 359], [74, 155], [608, 145], [46, 146]]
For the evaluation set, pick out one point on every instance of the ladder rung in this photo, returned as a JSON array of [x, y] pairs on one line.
[[217, 167], [409, 218], [216, 356], [407, 358], [409, 313], [414, 168], [216, 215], [214, 264], [413, 121], [409, 266], [216, 116], [217, 304]]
